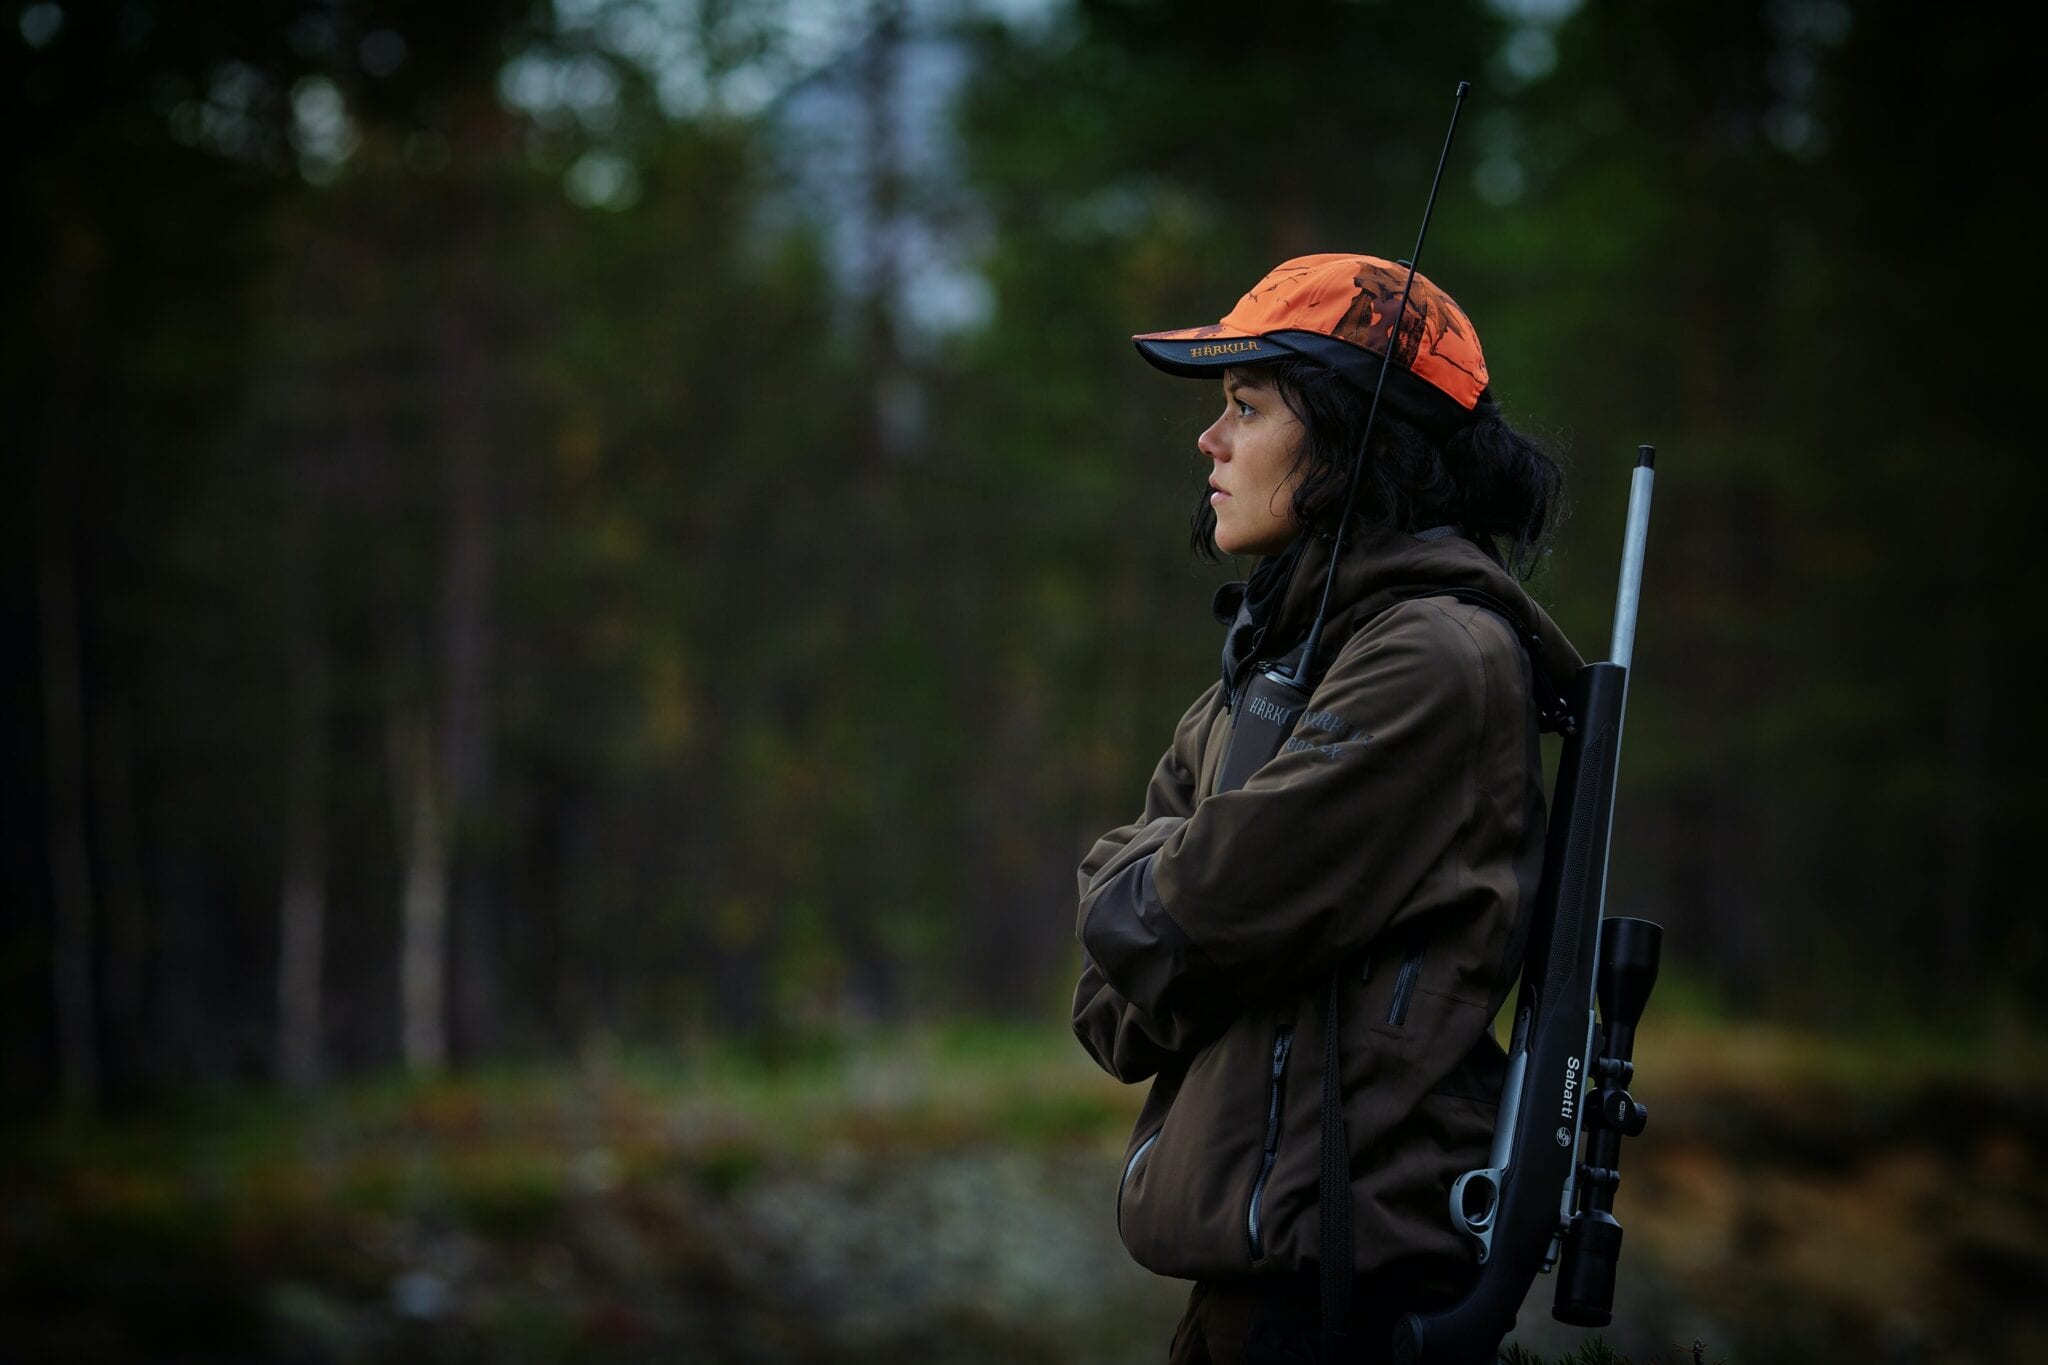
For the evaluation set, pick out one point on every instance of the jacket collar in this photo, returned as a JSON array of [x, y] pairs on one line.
[[1379, 568]]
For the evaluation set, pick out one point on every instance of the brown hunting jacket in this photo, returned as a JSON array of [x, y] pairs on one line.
[[1396, 840]]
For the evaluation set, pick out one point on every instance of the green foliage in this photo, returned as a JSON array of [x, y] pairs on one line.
[[685, 1180], [777, 653], [1594, 1351], [799, 645]]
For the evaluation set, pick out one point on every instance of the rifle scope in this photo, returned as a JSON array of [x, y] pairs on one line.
[[1592, 1241]]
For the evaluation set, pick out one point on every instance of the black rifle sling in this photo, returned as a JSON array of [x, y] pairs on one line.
[[1553, 709], [1333, 1193], [1255, 740]]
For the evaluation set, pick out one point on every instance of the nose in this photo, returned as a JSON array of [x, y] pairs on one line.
[[1210, 442]]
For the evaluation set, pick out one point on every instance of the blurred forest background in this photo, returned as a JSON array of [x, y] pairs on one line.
[[634, 528]]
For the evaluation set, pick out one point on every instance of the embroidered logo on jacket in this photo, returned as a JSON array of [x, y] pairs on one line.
[[1268, 710], [1334, 730]]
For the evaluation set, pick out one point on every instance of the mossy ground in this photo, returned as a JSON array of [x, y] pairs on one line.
[[945, 1194]]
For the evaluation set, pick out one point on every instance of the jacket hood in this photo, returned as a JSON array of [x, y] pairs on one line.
[[1379, 568]]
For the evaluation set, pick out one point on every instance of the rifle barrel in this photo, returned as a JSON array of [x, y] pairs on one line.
[[1630, 591]]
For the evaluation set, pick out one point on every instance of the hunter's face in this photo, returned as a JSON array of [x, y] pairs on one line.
[[1251, 449]]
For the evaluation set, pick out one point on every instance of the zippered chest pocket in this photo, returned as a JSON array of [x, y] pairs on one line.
[[1283, 1043], [1405, 978], [1404, 986]]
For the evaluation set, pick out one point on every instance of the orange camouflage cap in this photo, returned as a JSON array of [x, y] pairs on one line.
[[1338, 308]]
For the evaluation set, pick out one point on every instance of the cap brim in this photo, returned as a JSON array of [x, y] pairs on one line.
[[1202, 352], [1195, 352]]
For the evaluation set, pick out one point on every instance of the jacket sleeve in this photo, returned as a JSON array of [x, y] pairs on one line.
[[1270, 885], [1128, 1042]]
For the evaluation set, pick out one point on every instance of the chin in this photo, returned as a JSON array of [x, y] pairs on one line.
[[1252, 545]]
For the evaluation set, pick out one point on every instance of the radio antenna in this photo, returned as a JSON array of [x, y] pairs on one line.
[[1304, 668]]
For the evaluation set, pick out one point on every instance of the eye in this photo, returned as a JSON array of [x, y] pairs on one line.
[[1244, 409]]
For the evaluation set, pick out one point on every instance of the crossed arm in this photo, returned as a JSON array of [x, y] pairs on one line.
[[1199, 908], [1126, 1040]]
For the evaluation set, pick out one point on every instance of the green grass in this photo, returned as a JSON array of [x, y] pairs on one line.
[[1596, 1351], [314, 1200], [502, 1141], [501, 1144]]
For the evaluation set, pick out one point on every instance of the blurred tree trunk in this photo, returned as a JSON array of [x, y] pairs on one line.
[[464, 365], [302, 904], [440, 740], [865, 896], [465, 736], [63, 684], [64, 769], [1972, 777], [130, 1050], [423, 899]]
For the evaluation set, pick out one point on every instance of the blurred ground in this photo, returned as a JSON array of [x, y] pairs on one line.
[[946, 1196]]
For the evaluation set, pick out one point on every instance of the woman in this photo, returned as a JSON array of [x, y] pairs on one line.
[[1390, 847]]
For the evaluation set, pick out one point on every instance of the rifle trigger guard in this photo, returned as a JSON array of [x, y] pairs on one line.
[[1475, 1198]]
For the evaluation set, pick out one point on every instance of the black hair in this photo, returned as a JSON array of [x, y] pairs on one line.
[[1500, 487]]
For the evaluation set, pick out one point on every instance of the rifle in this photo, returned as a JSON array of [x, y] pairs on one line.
[[1546, 1198]]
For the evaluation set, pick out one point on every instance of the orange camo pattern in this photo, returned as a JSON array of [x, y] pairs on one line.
[[1355, 298]]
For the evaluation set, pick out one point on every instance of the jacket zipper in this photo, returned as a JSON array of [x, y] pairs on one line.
[[1282, 1041], [1404, 986], [1129, 1168]]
